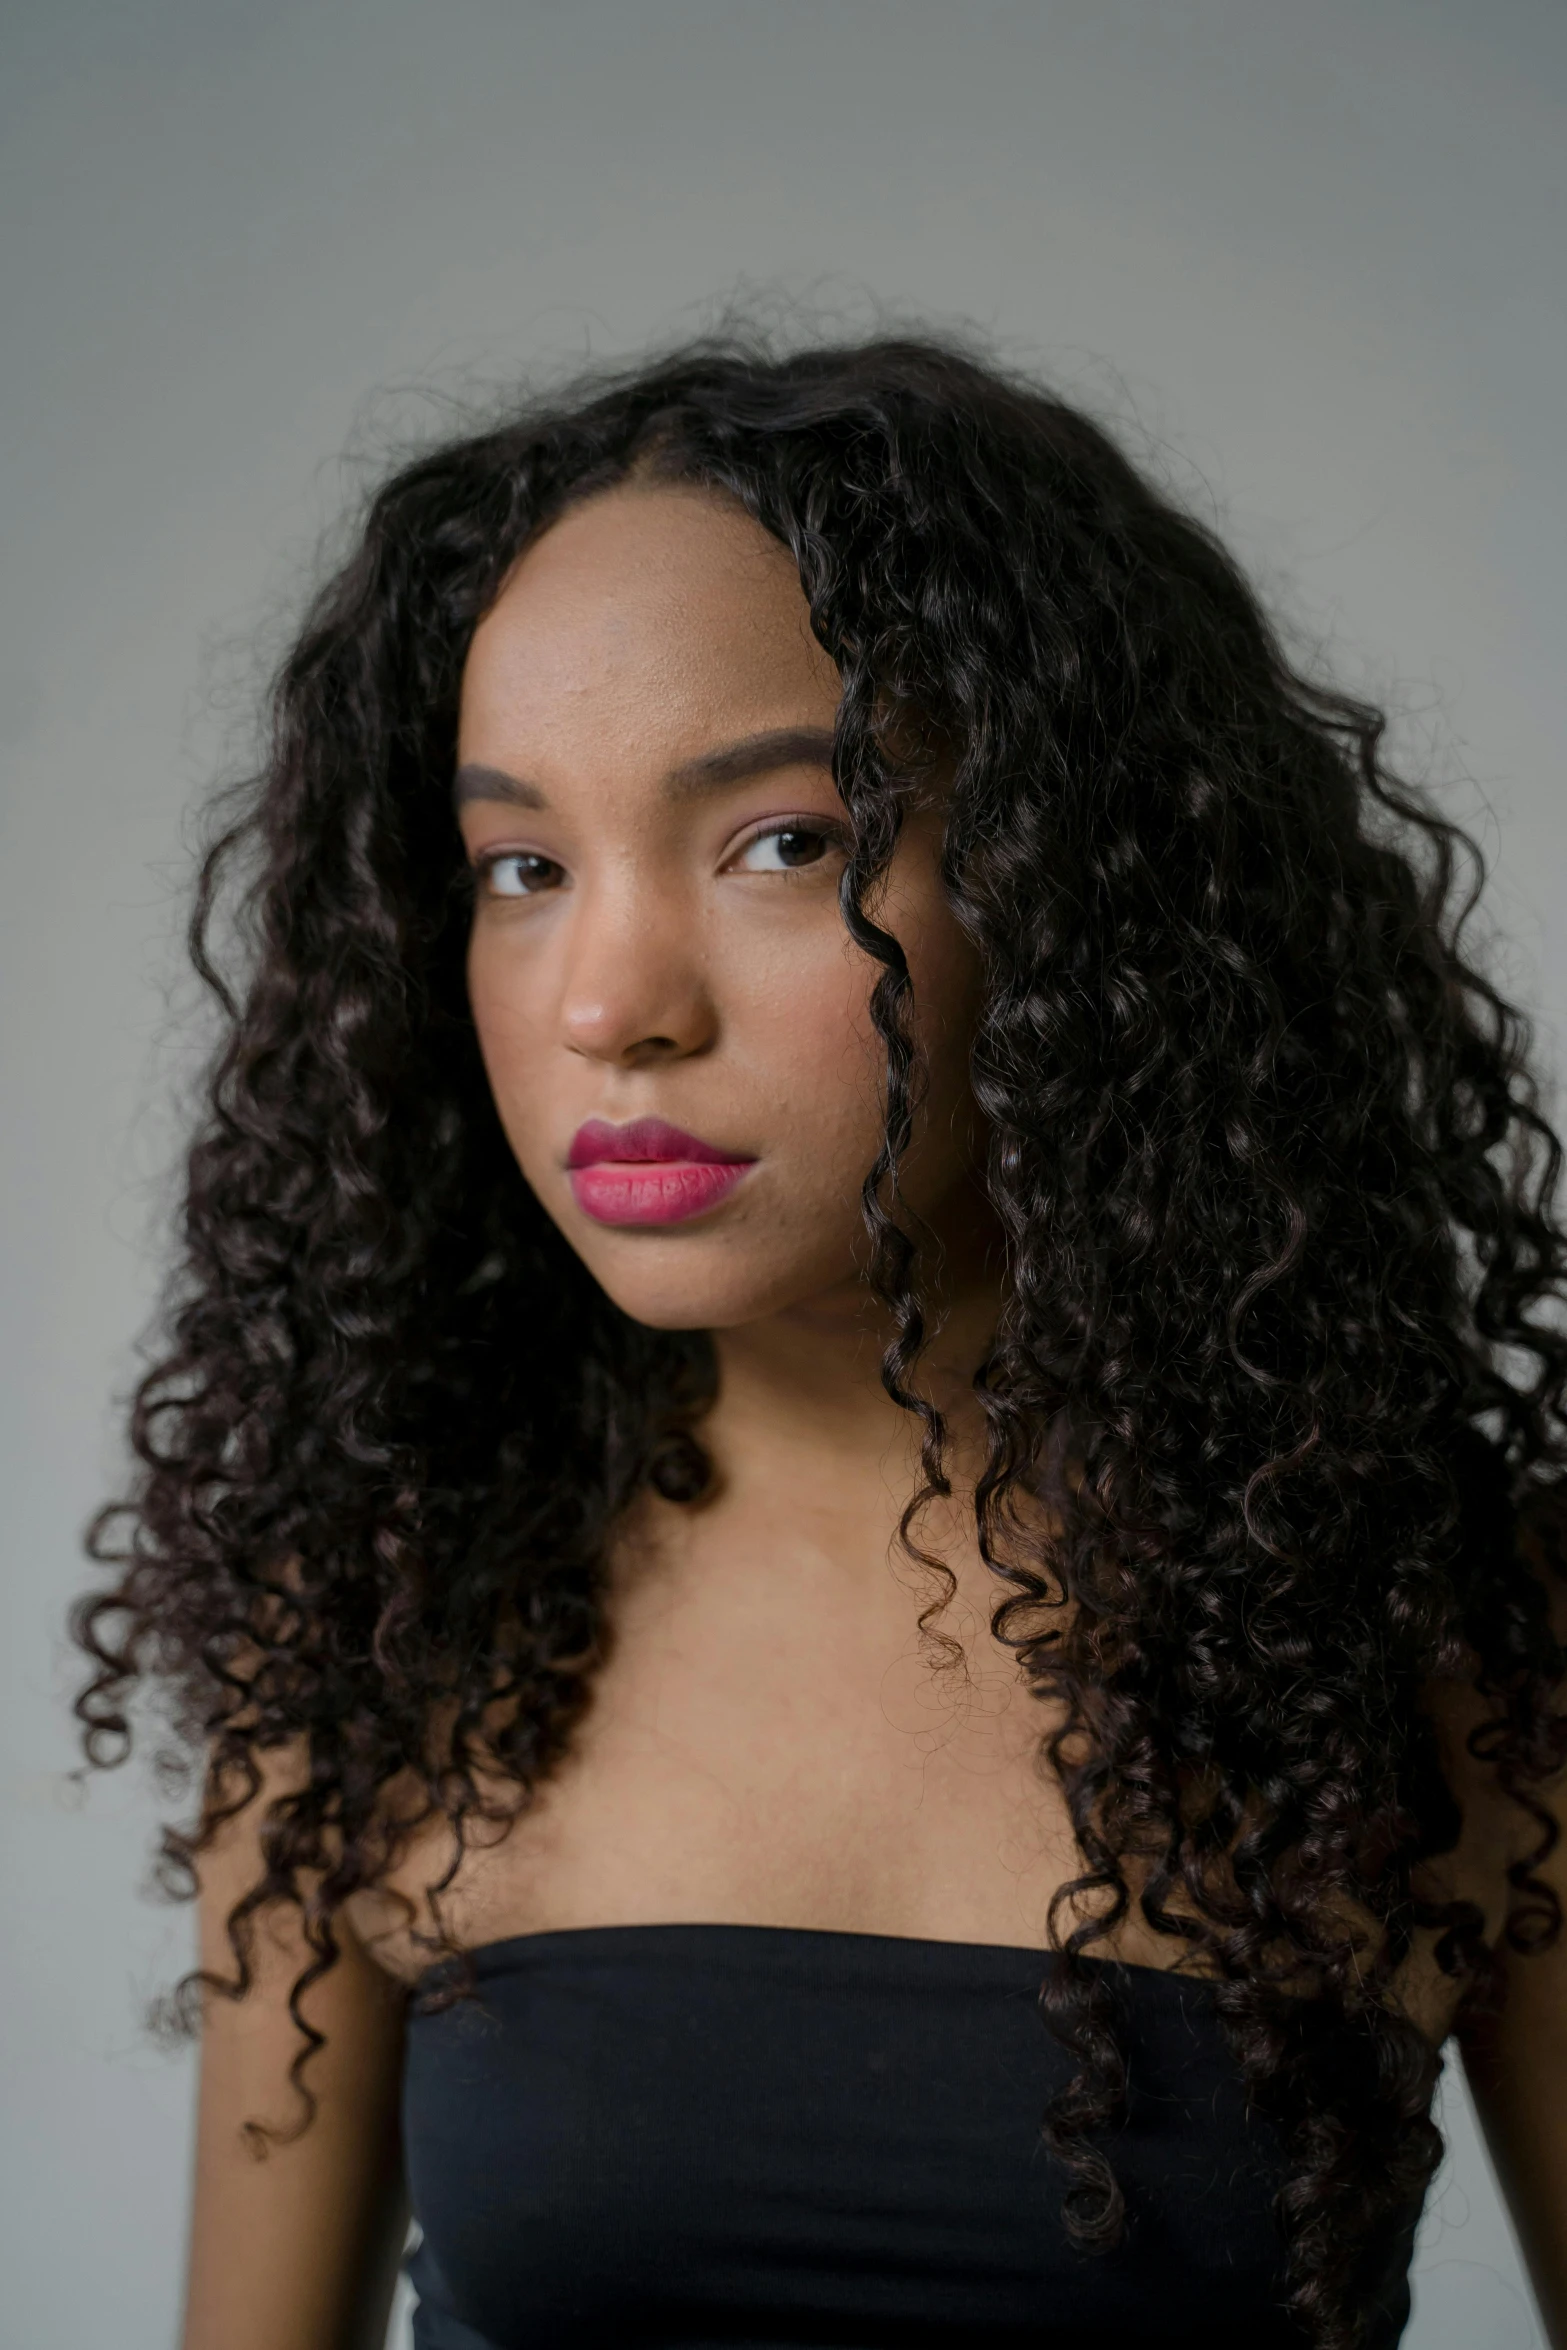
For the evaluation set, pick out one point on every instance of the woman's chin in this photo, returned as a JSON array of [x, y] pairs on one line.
[[693, 1295]]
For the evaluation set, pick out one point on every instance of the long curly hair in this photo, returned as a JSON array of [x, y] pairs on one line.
[[1278, 1335]]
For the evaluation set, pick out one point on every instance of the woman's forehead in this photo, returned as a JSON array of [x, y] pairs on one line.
[[661, 617]]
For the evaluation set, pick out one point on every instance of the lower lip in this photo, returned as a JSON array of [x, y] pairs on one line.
[[654, 1191]]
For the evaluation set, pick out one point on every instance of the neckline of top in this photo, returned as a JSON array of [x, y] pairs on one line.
[[506, 1949]]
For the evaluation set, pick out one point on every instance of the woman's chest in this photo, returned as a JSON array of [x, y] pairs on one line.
[[791, 1750], [772, 1758]]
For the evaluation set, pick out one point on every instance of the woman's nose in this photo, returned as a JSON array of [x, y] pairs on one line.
[[634, 987]]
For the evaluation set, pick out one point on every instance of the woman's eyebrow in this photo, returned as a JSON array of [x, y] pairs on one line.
[[488, 783], [753, 754]]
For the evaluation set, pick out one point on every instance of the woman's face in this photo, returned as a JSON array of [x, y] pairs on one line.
[[675, 1024]]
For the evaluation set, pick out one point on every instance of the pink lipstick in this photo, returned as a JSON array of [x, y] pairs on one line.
[[648, 1173]]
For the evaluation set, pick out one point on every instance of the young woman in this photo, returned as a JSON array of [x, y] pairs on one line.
[[854, 1490]]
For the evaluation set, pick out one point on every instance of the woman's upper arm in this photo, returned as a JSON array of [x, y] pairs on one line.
[[298, 2245]]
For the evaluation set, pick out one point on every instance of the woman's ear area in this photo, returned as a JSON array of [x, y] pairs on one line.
[[920, 759]]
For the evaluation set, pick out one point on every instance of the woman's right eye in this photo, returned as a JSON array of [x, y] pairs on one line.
[[518, 873]]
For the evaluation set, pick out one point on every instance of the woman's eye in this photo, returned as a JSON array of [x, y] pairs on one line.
[[518, 874], [785, 850]]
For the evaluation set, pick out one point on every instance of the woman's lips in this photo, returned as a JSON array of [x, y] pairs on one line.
[[648, 1172]]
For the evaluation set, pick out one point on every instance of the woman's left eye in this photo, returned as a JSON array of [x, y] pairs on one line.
[[785, 850]]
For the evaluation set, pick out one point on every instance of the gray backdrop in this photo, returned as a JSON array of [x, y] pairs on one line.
[[1312, 256]]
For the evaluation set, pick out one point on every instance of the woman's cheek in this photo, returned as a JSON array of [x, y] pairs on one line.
[[820, 1061], [510, 1042]]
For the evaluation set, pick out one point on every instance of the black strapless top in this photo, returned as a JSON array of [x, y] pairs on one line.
[[700, 2135]]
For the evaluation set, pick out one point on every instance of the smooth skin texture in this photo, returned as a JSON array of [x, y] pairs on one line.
[[645, 798]]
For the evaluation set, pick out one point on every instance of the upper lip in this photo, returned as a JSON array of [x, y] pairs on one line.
[[642, 1139]]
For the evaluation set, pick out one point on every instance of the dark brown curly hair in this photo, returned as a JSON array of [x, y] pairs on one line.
[[1277, 1192]]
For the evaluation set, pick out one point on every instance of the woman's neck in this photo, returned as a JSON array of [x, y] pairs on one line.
[[802, 1416]]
